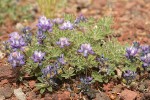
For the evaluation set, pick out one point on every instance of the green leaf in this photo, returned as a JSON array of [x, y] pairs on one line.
[[42, 90], [97, 76], [68, 73], [40, 85], [40, 79], [50, 89]]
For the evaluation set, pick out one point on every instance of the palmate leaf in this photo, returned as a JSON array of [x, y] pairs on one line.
[[97, 76], [68, 73]]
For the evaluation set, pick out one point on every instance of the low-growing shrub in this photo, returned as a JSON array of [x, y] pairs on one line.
[[66, 49]]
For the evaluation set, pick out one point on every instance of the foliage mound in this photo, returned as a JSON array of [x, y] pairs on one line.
[[65, 50]]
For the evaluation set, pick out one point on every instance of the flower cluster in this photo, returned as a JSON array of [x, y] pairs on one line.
[[66, 26], [58, 21], [101, 59], [63, 42], [145, 49], [38, 56], [27, 34], [44, 24], [50, 71], [79, 19], [129, 75], [131, 52], [16, 41], [61, 60], [40, 37], [87, 80], [142, 51], [16, 59], [146, 60], [86, 49]]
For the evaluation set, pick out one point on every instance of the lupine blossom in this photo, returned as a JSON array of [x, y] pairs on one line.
[[38, 56], [45, 24], [27, 35], [16, 59], [87, 80], [129, 75], [47, 70], [66, 26], [131, 52], [145, 49], [63, 42], [86, 49], [61, 60], [40, 37], [58, 20], [101, 59], [146, 60], [79, 19], [51, 70], [16, 41]]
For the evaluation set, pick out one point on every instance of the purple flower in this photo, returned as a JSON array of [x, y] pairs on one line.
[[27, 34], [16, 59], [47, 70], [45, 24], [16, 41], [26, 30], [86, 49], [58, 21], [146, 60], [79, 19], [131, 52], [66, 26], [51, 70], [87, 80], [129, 75], [40, 37], [14, 35], [61, 60], [38, 56], [145, 49], [63, 42], [101, 59]]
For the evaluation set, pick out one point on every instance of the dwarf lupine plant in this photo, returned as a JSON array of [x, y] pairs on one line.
[[69, 48]]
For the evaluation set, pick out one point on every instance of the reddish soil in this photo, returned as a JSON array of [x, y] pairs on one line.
[[131, 17]]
